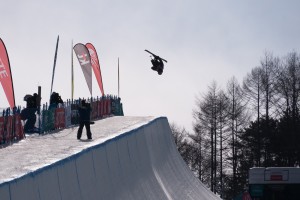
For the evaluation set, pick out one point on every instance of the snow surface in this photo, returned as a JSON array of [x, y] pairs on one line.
[[128, 158]]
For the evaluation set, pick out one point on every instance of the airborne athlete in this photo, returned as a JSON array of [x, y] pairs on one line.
[[157, 62]]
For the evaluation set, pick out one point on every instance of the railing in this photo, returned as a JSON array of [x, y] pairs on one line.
[[11, 128], [66, 115], [58, 117]]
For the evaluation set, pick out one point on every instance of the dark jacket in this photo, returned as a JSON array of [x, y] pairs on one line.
[[84, 113]]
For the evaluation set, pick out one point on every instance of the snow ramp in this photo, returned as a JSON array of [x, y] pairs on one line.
[[128, 158]]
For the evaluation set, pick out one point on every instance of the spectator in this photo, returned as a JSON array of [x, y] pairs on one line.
[[55, 99], [84, 119], [28, 113]]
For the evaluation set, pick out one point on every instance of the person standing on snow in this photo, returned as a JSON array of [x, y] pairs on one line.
[[84, 119]]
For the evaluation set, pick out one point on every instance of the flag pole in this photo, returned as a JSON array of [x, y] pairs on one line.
[[55, 56], [118, 79], [72, 74]]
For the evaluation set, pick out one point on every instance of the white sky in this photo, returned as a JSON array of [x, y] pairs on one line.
[[202, 40]]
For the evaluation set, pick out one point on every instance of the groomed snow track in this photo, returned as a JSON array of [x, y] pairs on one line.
[[129, 158]]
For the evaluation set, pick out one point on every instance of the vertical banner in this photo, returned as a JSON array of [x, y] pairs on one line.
[[95, 65], [55, 56], [59, 118], [84, 59], [6, 76]]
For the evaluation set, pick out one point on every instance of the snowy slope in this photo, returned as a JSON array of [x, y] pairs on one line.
[[128, 158]]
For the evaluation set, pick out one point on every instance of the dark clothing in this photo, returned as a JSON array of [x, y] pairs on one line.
[[84, 113], [28, 114], [158, 65], [87, 128], [84, 120], [55, 99]]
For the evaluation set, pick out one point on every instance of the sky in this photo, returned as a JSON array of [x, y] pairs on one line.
[[202, 40]]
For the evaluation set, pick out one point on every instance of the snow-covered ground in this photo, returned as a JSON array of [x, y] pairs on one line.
[[128, 158]]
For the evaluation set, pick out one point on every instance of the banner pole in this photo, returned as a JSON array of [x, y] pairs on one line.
[[55, 56], [39, 106], [72, 74], [118, 79]]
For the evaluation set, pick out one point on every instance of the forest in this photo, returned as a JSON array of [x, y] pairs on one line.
[[255, 123]]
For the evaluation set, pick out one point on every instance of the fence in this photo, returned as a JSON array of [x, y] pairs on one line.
[[66, 115], [11, 128], [63, 116]]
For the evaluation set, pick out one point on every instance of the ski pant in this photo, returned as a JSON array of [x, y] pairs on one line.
[[87, 127], [29, 114]]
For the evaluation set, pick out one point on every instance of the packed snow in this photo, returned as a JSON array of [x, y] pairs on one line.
[[128, 158]]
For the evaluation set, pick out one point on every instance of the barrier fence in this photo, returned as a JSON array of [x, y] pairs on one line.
[[58, 117], [66, 115], [11, 128]]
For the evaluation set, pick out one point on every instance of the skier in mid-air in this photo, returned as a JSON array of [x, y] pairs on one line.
[[157, 62]]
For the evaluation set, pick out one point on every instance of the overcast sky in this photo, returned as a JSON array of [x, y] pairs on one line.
[[202, 40]]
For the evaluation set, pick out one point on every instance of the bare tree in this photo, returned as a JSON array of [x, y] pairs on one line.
[[288, 89], [238, 118], [210, 126], [288, 84], [269, 74], [199, 152], [222, 123], [252, 87], [206, 115], [180, 138]]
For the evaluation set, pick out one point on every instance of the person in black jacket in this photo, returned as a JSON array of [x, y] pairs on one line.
[[28, 114], [157, 62], [158, 65], [55, 99], [84, 119]]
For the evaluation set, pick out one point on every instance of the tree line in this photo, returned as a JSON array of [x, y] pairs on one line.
[[255, 123]]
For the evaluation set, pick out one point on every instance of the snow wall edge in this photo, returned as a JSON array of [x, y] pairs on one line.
[[142, 163]]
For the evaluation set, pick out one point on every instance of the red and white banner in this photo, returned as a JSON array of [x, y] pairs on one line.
[[59, 118], [9, 128], [5, 75], [1, 129], [96, 65], [94, 106], [84, 59], [19, 130]]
